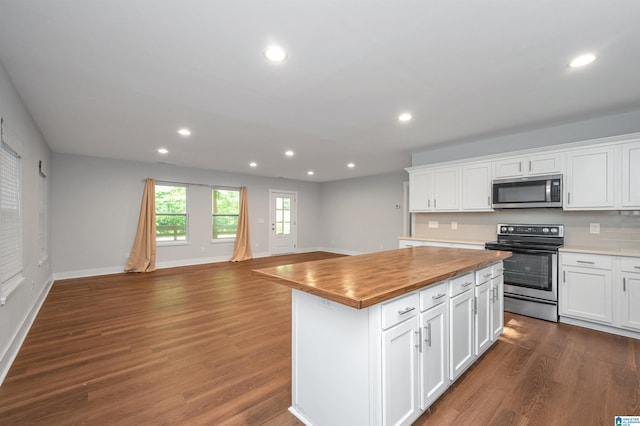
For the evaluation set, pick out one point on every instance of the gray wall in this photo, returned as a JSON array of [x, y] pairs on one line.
[[22, 304], [612, 125], [360, 215], [97, 203]]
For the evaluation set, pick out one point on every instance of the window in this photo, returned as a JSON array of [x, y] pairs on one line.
[[171, 213], [283, 215], [11, 263], [226, 208]]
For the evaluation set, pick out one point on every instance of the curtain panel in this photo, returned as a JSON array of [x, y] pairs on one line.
[[143, 253], [242, 247]]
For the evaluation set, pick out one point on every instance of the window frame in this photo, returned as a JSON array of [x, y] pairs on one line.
[[10, 283], [214, 215], [186, 241]]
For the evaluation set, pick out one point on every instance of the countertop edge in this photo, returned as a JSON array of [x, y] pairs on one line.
[[602, 252]]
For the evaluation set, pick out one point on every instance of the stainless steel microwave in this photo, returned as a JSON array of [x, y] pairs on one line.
[[534, 192]]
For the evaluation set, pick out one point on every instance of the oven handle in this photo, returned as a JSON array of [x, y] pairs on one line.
[[523, 251]]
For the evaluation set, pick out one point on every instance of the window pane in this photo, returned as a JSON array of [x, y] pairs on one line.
[[287, 229], [171, 227], [224, 226], [287, 203], [279, 228], [287, 216], [278, 202], [278, 215], [226, 201], [171, 199]]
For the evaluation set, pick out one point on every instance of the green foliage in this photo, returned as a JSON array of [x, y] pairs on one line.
[[226, 201], [171, 213]]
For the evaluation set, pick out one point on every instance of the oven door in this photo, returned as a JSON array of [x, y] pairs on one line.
[[531, 273]]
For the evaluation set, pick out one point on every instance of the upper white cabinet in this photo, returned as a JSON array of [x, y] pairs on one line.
[[545, 164], [589, 179], [631, 175], [434, 190], [476, 187]]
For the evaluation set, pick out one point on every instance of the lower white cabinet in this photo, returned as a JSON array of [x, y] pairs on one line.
[[630, 293], [483, 317], [601, 292], [497, 301], [586, 290], [400, 381], [461, 328], [434, 353]]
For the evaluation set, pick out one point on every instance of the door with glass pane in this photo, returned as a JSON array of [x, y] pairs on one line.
[[283, 237]]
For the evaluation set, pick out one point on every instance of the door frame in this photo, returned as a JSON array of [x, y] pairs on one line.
[[294, 218]]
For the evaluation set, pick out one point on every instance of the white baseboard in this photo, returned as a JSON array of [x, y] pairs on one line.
[[16, 342]]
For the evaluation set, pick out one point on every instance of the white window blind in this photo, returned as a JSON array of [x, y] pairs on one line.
[[10, 214]]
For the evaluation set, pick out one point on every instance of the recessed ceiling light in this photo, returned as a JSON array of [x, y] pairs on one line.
[[184, 132], [405, 116], [289, 153], [310, 173], [351, 165], [582, 60], [275, 54], [163, 151], [253, 164]]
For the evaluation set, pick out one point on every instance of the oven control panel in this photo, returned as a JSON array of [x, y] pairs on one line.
[[533, 230]]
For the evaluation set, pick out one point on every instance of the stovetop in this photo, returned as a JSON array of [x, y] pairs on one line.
[[543, 237]]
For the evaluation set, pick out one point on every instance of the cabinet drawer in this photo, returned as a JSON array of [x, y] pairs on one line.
[[483, 275], [630, 264], [433, 295], [587, 260], [459, 284], [400, 309], [497, 270]]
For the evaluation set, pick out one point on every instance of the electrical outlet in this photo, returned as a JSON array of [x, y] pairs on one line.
[[594, 228], [397, 206], [433, 224], [260, 220], [454, 225]]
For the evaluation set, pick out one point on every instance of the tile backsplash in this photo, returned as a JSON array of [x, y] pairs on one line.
[[618, 230]]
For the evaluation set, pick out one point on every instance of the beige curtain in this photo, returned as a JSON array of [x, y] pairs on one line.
[[242, 248], [143, 252]]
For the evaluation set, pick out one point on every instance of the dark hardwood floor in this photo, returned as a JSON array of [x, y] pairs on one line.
[[210, 344]]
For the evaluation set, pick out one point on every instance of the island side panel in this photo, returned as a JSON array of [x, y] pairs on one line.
[[331, 381]]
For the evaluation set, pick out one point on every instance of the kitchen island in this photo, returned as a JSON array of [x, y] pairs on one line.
[[376, 338]]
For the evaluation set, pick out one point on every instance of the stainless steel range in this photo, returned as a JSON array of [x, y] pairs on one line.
[[531, 274]]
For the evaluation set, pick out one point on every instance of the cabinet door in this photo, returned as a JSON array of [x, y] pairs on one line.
[[497, 307], [631, 175], [586, 293], [630, 301], [589, 179], [476, 187], [434, 358], [508, 168], [446, 189], [420, 191], [461, 333], [546, 164], [400, 373], [482, 318]]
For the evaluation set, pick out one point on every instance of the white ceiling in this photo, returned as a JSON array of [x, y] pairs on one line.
[[117, 78]]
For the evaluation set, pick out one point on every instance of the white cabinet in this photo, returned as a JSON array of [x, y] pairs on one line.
[[629, 298], [586, 290], [434, 190], [434, 349], [476, 187], [399, 373], [461, 325], [544, 164], [631, 175], [482, 318], [497, 301], [589, 179]]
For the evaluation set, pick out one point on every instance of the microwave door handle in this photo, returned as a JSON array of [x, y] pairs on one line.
[[548, 189]]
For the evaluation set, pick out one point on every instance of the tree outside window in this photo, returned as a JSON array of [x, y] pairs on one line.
[[226, 208], [171, 213]]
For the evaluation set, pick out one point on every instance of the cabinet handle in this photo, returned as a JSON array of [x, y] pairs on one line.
[[588, 262], [419, 333], [624, 284], [406, 310], [637, 267], [568, 198], [529, 165], [467, 284], [435, 203], [495, 294], [487, 275], [429, 203], [564, 276], [428, 338], [488, 200], [475, 306], [520, 166], [439, 296]]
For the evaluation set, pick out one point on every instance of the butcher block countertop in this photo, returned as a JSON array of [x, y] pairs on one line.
[[368, 279]]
